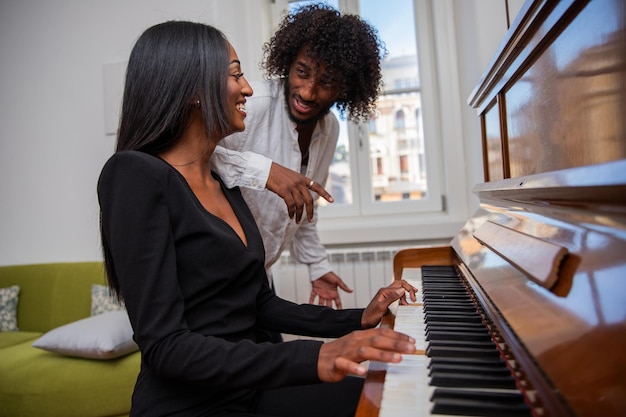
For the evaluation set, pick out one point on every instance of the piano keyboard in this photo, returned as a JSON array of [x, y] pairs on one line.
[[457, 370]]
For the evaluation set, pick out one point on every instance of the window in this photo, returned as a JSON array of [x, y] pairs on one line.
[[400, 120], [389, 169], [372, 124]]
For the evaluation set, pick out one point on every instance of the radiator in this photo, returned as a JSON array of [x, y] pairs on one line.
[[365, 270]]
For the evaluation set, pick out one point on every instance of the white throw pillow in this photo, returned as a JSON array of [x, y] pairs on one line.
[[8, 308], [105, 336]]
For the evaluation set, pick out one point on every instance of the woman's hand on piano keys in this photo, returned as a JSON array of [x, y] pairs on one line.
[[343, 356], [377, 308]]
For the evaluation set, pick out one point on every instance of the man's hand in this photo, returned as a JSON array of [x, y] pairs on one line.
[[294, 189], [343, 356], [325, 287], [383, 299]]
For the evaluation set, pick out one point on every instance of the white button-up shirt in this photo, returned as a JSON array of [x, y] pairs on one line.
[[244, 159]]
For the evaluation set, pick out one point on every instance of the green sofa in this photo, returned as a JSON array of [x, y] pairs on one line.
[[36, 382]]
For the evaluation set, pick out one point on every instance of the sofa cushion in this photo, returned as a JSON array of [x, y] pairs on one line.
[[105, 336], [8, 308], [35, 382], [102, 301]]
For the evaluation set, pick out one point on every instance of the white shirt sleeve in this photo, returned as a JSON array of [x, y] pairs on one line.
[[243, 169]]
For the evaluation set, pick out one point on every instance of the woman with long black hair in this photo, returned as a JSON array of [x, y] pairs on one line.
[[186, 257]]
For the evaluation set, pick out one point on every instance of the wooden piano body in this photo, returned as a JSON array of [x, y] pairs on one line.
[[546, 252]]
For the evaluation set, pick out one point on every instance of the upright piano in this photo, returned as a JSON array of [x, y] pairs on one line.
[[524, 313]]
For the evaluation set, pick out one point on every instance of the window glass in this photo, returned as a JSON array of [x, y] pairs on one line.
[[399, 139]]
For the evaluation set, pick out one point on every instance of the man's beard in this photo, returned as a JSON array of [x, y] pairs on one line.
[[294, 119]]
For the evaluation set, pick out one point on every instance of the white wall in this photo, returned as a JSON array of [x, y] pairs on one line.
[[52, 140], [481, 25]]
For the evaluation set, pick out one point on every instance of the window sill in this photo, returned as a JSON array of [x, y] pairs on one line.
[[436, 228]]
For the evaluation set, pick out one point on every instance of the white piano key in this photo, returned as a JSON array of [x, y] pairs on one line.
[[406, 392]]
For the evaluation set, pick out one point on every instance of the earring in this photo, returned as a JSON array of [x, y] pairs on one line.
[[197, 103]]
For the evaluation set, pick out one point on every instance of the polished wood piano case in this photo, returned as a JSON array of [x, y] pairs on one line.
[[545, 255]]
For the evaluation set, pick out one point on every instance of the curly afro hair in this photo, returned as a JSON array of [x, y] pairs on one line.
[[347, 45]]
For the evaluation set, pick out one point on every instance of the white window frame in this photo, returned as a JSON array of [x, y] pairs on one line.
[[440, 215]]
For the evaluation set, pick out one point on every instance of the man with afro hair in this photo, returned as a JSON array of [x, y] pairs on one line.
[[316, 59]]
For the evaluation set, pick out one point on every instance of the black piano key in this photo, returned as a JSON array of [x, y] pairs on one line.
[[471, 407], [438, 295], [452, 311], [466, 380], [447, 333], [445, 351], [440, 275], [438, 267], [432, 315], [443, 296], [445, 286], [456, 326], [450, 273], [427, 288], [441, 278], [481, 344], [498, 403], [504, 397], [436, 280], [465, 305], [449, 318], [431, 272], [448, 284], [455, 308], [451, 303], [444, 274], [454, 284], [470, 369], [452, 335], [460, 361]]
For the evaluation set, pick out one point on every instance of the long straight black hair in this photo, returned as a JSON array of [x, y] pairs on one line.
[[172, 66]]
